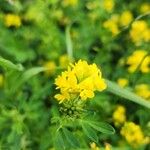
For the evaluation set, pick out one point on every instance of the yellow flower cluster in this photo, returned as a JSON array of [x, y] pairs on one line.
[[125, 18], [145, 7], [79, 81], [95, 147], [122, 82], [108, 5], [12, 20], [135, 60], [133, 134], [66, 3], [64, 61], [143, 90], [112, 25], [119, 116], [116, 21], [140, 32], [51, 67]]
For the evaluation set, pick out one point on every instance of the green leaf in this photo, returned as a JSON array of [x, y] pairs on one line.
[[27, 75], [89, 132], [117, 90], [9, 65], [71, 140], [69, 43], [59, 141], [102, 127]]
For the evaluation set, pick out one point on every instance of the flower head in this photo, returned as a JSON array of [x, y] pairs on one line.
[[122, 82], [108, 5], [66, 3], [145, 7], [80, 80], [140, 32], [133, 134], [12, 20], [125, 18], [51, 67], [139, 59], [143, 90], [112, 26], [119, 116]]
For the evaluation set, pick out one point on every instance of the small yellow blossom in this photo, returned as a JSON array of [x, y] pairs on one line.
[[122, 82], [80, 80], [133, 134], [66, 3], [135, 60], [140, 32], [51, 67], [1, 80], [108, 5], [12, 20], [93, 5], [112, 26], [119, 115], [94, 146], [107, 146], [125, 18], [64, 61], [145, 7], [143, 90], [58, 14]]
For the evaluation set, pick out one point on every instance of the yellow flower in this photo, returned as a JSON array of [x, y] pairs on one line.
[[93, 5], [133, 134], [64, 61], [145, 7], [143, 90], [122, 82], [80, 80], [51, 67], [12, 20], [112, 25], [140, 32], [136, 58], [107, 146], [66, 3], [125, 18], [1, 80], [108, 5], [119, 115], [94, 147]]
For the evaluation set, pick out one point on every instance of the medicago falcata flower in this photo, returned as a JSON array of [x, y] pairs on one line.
[[80, 81]]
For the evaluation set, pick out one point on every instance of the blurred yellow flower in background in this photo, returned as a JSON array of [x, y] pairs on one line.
[[1, 80], [51, 68], [143, 90], [80, 80], [112, 25], [108, 5], [133, 134], [145, 7], [140, 32], [66, 3], [64, 61], [122, 82], [119, 115], [12, 20], [94, 146], [139, 57], [125, 18]]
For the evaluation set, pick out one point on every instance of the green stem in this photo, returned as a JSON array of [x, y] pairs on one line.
[[117, 90]]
